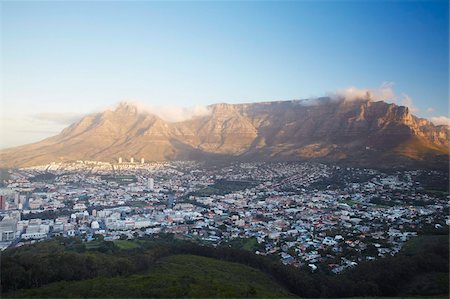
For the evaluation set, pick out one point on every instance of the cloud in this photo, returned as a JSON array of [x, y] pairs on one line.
[[176, 113], [407, 102], [63, 118], [440, 120], [430, 109], [167, 112], [38, 131], [172, 113], [384, 93]]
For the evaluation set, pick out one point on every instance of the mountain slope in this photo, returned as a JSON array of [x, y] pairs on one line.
[[359, 132]]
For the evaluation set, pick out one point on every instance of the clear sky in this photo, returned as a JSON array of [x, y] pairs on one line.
[[63, 59]]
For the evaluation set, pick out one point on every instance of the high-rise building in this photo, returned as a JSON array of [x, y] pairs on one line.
[[2, 202], [142, 160], [150, 183], [132, 160], [120, 160], [16, 198]]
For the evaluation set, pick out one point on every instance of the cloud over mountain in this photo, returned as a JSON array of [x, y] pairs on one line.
[[384, 93], [170, 113], [64, 118], [440, 120]]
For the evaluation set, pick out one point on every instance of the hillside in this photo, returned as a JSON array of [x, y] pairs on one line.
[[172, 277], [358, 132], [163, 265]]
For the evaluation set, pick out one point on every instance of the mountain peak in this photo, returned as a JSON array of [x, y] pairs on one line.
[[126, 107]]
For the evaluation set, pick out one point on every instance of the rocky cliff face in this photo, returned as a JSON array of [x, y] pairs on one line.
[[358, 132], [224, 131]]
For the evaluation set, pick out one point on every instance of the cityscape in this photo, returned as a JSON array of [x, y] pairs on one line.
[[224, 149], [299, 212]]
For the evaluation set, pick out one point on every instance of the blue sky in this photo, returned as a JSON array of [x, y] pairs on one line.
[[63, 59]]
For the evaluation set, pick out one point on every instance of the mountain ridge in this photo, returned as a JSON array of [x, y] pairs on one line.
[[360, 132]]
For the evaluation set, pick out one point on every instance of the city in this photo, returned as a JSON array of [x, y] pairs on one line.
[[306, 214], [224, 149]]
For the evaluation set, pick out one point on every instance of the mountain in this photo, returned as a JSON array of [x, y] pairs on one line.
[[358, 132]]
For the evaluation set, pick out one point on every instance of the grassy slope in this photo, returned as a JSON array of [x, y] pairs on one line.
[[173, 276], [125, 244]]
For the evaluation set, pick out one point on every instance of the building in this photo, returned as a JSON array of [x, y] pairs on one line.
[[2, 202], [132, 160], [8, 230], [150, 184], [34, 235], [35, 204], [142, 161], [16, 198], [120, 160], [95, 225], [170, 201], [6, 194]]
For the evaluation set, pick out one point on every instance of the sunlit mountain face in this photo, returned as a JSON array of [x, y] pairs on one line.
[[361, 132]]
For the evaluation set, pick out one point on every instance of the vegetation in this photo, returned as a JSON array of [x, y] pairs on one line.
[[433, 183], [137, 203], [4, 176], [175, 268], [43, 177], [248, 244], [172, 277], [222, 187], [125, 245], [349, 202], [423, 259]]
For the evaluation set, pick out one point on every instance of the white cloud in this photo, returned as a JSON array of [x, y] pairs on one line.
[[384, 93], [176, 113], [407, 102], [172, 113], [354, 94], [430, 109], [64, 118], [440, 120]]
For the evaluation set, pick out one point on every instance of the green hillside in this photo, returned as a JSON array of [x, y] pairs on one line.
[[173, 276], [163, 266]]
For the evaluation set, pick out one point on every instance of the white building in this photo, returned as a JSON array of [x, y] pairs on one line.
[[95, 225], [36, 235], [150, 183], [8, 230]]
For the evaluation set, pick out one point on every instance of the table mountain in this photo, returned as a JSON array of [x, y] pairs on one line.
[[357, 132]]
